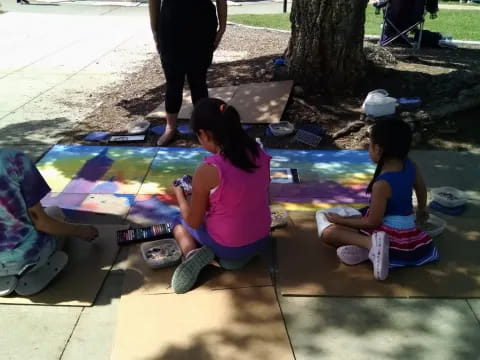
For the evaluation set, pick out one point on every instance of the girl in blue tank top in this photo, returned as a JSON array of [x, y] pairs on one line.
[[388, 235]]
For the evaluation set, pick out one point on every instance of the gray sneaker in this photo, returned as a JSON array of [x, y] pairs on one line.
[[187, 272]]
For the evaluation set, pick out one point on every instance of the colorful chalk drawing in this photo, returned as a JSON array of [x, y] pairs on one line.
[[137, 180], [96, 169]]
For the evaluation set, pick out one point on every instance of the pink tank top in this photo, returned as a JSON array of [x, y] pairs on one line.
[[239, 212]]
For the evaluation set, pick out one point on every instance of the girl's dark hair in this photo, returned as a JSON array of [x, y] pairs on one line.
[[223, 121], [394, 136]]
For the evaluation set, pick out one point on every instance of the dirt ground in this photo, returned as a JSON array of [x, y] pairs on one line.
[[435, 75]]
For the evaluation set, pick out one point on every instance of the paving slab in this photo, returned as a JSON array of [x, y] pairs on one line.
[[352, 328], [21, 128], [460, 169], [475, 306], [93, 336], [35, 332]]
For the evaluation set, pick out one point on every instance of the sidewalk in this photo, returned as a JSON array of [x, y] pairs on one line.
[[54, 65]]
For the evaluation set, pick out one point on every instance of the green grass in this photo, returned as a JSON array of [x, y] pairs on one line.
[[461, 24]]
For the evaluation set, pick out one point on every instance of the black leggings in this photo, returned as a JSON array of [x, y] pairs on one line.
[[175, 76], [187, 34]]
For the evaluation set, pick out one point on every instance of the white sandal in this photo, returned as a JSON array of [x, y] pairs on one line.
[[35, 281], [7, 284]]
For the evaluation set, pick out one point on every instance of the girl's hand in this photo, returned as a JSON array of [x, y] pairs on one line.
[[334, 218], [178, 191], [421, 216]]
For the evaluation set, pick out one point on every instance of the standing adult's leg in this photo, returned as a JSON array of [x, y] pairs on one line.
[[202, 47], [197, 80], [175, 79]]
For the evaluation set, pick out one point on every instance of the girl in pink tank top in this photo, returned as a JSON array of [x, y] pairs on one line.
[[228, 216]]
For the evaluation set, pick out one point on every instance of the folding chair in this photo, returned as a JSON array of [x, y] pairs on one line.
[[400, 17]]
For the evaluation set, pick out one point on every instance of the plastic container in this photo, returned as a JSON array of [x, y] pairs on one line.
[[281, 128], [161, 253], [279, 216], [378, 103], [434, 226], [449, 197], [138, 127]]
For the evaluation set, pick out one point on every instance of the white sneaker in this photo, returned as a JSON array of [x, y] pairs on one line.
[[352, 255], [379, 255]]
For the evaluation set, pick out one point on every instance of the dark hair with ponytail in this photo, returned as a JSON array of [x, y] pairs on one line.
[[223, 121], [394, 137]]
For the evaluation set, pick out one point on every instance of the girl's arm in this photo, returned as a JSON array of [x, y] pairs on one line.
[[52, 226], [222, 20], [380, 193], [421, 193], [206, 178]]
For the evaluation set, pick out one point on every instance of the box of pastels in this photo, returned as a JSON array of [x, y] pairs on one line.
[[161, 253]]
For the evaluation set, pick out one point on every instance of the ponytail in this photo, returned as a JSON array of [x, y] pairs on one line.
[[223, 121], [378, 171]]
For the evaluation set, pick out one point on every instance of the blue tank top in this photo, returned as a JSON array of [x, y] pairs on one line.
[[401, 185]]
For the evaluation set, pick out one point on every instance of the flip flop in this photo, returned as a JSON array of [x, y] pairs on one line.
[[35, 281], [7, 284]]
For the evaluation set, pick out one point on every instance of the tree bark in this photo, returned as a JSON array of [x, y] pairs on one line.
[[325, 52]]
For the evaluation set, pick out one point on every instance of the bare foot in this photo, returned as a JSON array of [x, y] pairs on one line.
[[167, 137]]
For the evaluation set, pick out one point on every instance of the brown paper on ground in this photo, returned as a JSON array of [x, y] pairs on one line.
[[225, 93], [307, 267], [83, 276], [457, 273], [202, 325], [142, 279], [262, 103]]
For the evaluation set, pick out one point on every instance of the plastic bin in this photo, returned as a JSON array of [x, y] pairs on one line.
[[449, 197], [279, 216], [282, 128], [434, 226], [161, 253]]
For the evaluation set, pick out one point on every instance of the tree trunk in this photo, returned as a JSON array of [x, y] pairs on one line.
[[326, 46]]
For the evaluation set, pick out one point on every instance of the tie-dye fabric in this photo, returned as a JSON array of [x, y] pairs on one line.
[[21, 187]]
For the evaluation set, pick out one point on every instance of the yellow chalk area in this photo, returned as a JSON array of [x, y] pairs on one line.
[[313, 206]]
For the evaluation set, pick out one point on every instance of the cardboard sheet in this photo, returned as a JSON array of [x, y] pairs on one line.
[[308, 267], [262, 103], [80, 281], [204, 325], [224, 93], [258, 103], [141, 279]]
